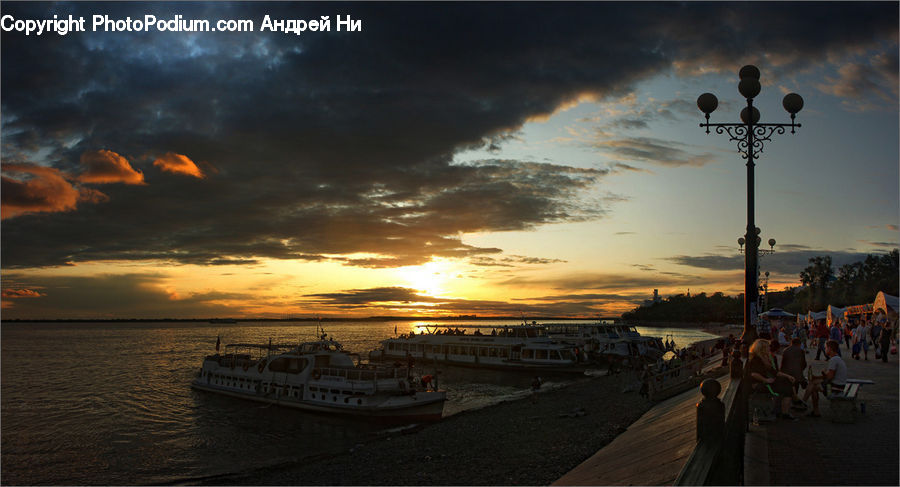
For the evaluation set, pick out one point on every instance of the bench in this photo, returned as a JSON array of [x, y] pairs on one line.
[[843, 404], [762, 406]]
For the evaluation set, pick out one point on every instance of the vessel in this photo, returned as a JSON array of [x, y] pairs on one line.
[[516, 347], [318, 376], [601, 340]]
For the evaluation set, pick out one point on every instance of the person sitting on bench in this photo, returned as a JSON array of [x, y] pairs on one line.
[[762, 370], [835, 374]]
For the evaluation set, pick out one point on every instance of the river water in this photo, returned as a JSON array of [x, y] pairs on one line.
[[110, 403]]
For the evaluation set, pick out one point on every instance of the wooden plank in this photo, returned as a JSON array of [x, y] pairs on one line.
[[652, 451]]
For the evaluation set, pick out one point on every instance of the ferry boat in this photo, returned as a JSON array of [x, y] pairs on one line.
[[519, 347], [604, 339], [317, 376]]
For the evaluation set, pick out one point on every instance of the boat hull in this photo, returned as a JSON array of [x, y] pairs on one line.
[[508, 366], [422, 406]]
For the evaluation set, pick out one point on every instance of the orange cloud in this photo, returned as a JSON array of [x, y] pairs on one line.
[[178, 164], [37, 189], [104, 166], [21, 293]]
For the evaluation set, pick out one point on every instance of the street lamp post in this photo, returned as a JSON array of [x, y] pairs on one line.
[[750, 136]]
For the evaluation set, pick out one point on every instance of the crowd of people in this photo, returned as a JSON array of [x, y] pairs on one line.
[[776, 365]]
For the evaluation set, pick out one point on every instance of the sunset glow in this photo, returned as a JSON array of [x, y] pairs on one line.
[[538, 165]]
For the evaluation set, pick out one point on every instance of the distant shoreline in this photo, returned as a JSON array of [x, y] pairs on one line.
[[375, 319]]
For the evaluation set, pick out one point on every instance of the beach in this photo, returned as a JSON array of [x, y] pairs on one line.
[[512, 443]]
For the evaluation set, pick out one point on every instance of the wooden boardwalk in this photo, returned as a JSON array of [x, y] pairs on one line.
[[651, 451]]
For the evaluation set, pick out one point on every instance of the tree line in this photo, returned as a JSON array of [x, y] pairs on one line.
[[821, 285]]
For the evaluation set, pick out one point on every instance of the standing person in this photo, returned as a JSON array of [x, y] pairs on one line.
[[804, 337], [874, 335], [836, 336], [793, 363], [848, 333], [821, 338], [763, 372], [782, 338], [885, 341], [863, 337], [834, 374]]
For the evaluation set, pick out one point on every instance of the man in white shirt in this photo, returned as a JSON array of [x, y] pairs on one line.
[[835, 374]]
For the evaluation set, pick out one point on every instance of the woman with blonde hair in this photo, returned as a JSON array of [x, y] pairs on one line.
[[763, 371]]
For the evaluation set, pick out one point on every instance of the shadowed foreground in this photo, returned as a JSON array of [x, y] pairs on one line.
[[512, 443]]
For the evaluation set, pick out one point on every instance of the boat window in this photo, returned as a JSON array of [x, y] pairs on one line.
[[293, 366], [335, 391], [322, 360], [445, 349], [567, 355], [420, 347], [404, 347], [503, 352], [528, 353], [540, 354], [279, 364], [484, 351], [493, 352]]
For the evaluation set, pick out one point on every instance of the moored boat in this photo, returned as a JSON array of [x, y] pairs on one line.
[[515, 347], [603, 340], [317, 376]]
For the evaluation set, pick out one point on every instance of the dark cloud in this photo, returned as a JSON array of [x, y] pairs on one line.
[[603, 281], [333, 144], [884, 245], [654, 151], [29, 189], [783, 262], [399, 299], [512, 261], [138, 295], [621, 166]]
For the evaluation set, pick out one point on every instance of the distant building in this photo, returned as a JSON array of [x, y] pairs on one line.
[[655, 299]]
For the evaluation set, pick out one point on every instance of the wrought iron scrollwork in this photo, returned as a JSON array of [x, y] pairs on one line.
[[740, 133]]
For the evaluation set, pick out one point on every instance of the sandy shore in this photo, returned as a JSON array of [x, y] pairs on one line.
[[511, 443]]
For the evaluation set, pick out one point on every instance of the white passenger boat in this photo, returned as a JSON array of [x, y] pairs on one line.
[[601, 339], [317, 376], [519, 347]]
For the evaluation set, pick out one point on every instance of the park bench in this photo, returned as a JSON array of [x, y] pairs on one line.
[[843, 405], [762, 406]]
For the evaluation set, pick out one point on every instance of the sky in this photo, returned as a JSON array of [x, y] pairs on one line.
[[514, 159]]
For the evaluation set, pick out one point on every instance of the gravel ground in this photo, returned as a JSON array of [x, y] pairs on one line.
[[511, 443]]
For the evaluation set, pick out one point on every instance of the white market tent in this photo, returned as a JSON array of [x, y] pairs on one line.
[[821, 315], [833, 313]]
